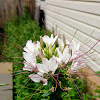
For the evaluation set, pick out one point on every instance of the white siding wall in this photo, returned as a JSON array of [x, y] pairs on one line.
[[67, 16]]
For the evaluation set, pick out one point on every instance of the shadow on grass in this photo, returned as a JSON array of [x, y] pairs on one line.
[[1, 42]]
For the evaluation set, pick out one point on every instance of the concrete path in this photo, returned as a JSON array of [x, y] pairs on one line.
[[6, 92]]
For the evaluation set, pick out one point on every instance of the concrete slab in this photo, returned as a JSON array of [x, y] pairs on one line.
[[6, 92]]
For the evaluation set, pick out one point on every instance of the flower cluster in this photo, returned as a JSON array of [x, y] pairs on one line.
[[51, 53]]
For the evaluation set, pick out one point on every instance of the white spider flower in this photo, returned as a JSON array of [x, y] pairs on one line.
[[63, 56], [48, 65], [38, 78], [50, 40], [30, 61], [32, 47]]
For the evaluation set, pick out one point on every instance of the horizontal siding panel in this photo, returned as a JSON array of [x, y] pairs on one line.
[[94, 66], [88, 7], [79, 16], [81, 36], [77, 25], [78, 36], [91, 63]]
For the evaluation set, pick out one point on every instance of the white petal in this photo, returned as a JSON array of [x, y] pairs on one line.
[[49, 40], [59, 53], [61, 44], [78, 46], [51, 35], [37, 78], [59, 61], [42, 68], [53, 64], [46, 64], [38, 44], [66, 55], [32, 47], [26, 49], [53, 40], [46, 39], [29, 46], [29, 58], [28, 66]]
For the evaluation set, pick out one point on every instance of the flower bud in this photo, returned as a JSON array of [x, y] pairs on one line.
[[64, 40], [50, 49], [70, 51], [41, 52], [41, 42]]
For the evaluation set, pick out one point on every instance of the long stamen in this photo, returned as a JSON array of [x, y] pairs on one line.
[[11, 42], [18, 41], [77, 89], [12, 52], [87, 51], [21, 38], [35, 92], [23, 86], [58, 74], [21, 73], [12, 57], [44, 25], [61, 88], [73, 36], [12, 61]]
